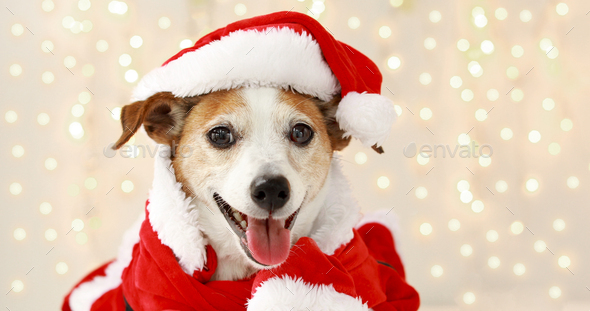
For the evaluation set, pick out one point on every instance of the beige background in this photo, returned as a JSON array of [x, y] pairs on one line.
[[561, 74]]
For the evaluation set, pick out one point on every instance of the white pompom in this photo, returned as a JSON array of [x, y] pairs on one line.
[[367, 117]]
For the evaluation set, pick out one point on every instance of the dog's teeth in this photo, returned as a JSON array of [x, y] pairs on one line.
[[244, 224], [237, 216]]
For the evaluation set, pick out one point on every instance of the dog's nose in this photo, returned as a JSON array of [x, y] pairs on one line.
[[270, 192]]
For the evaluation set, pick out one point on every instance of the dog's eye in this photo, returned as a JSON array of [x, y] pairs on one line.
[[221, 137], [301, 134]]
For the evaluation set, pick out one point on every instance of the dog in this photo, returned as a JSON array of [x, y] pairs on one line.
[[260, 156], [258, 214]]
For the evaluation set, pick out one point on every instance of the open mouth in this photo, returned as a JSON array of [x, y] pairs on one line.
[[265, 241]]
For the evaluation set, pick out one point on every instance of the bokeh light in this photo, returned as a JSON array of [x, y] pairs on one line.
[[434, 16], [501, 14], [45, 208], [477, 205], [517, 51], [558, 224], [425, 78], [516, 227], [164, 22], [573, 182], [501, 186], [454, 224], [468, 298], [506, 133], [532, 185], [456, 82], [421, 192], [17, 286], [519, 269], [467, 95], [566, 125], [540, 246], [463, 45], [534, 136], [136, 42], [73, 190], [19, 234], [382, 182], [360, 157], [61, 268], [425, 113], [125, 60], [463, 185], [394, 62], [493, 262], [384, 32], [429, 43], [127, 186], [436, 271], [50, 234], [492, 236], [548, 104], [354, 22], [525, 15], [15, 188], [487, 47], [492, 94], [466, 196], [118, 7], [564, 261], [240, 9], [554, 292], [466, 250], [561, 8], [425, 228], [50, 164], [131, 75], [18, 151]]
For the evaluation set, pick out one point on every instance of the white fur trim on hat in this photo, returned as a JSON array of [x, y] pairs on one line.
[[285, 293], [367, 117], [279, 57]]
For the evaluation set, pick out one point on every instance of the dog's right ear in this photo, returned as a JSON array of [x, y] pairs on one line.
[[162, 115]]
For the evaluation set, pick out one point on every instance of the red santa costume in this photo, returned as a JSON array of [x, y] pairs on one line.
[[348, 262]]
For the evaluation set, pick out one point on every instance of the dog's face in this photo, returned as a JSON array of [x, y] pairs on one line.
[[258, 157]]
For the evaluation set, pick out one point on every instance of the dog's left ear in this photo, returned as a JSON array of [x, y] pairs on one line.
[[162, 116], [328, 110]]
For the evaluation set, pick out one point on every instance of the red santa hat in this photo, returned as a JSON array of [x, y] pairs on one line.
[[288, 50]]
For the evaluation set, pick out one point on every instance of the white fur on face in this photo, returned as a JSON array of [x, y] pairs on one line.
[[261, 123], [264, 150]]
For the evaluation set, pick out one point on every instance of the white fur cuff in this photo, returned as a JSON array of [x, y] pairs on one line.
[[286, 293]]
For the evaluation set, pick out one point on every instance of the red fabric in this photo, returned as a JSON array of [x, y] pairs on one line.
[[355, 71], [155, 281], [100, 271], [381, 245]]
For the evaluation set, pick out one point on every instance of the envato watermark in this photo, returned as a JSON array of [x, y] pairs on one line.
[[465, 151], [134, 151]]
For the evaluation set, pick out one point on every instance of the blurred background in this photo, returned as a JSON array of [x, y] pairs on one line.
[[504, 232]]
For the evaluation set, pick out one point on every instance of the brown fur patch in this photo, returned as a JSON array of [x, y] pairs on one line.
[[197, 124], [327, 111], [162, 115]]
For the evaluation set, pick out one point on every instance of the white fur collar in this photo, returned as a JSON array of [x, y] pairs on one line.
[[175, 218]]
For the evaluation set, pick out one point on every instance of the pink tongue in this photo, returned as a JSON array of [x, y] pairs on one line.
[[268, 240]]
